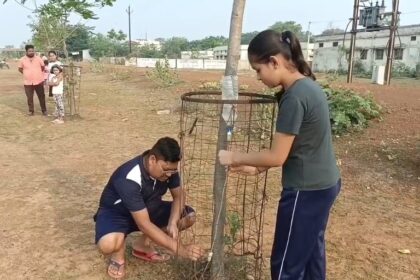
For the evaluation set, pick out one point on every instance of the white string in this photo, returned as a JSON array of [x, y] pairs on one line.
[[210, 255]]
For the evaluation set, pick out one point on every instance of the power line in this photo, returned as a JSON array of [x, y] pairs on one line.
[[412, 12]]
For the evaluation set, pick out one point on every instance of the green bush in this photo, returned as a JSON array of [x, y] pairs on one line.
[[399, 69], [350, 111], [360, 70], [163, 75]]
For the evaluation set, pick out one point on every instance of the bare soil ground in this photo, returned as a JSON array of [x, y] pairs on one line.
[[52, 177]]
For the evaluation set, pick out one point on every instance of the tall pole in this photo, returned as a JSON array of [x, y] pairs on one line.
[[353, 40], [129, 12], [307, 43], [391, 45]]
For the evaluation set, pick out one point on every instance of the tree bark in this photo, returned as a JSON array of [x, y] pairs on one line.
[[220, 175]]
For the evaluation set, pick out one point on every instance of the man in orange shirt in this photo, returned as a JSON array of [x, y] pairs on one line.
[[32, 68]]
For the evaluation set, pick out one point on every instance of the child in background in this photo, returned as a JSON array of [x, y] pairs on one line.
[[56, 82], [53, 60]]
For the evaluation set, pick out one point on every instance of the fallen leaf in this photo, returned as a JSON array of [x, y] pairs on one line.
[[391, 157], [404, 251], [163, 112]]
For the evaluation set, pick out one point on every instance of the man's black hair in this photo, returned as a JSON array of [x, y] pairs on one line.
[[27, 47], [166, 149]]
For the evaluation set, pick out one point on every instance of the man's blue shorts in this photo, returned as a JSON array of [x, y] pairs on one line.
[[110, 220]]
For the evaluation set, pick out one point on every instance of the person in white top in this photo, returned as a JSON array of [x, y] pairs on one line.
[[56, 82], [52, 60]]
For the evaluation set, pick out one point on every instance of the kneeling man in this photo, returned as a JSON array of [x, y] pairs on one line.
[[132, 201]]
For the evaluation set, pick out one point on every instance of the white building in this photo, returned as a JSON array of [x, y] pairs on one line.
[[197, 54], [308, 54], [371, 49], [221, 52], [145, 42]]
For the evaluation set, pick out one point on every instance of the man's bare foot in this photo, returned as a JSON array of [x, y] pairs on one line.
[[143, 244], [144, 249]]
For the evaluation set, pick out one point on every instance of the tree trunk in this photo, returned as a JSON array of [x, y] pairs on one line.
[[220, 176]]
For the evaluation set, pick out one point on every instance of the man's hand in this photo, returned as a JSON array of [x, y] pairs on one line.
[[172, 230], [245, 170], [192, 252]]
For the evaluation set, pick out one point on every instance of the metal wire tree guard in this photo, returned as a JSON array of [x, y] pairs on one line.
[[72, 88], [250, 129]]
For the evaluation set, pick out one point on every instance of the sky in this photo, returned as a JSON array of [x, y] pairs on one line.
[[196, 19]]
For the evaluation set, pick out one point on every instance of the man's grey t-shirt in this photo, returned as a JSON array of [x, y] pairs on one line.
[[303, 111]]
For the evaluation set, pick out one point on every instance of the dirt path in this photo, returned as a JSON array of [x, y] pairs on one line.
[[52, 177]]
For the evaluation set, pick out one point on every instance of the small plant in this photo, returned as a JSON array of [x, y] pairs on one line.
[[235, 225], [216, 86], [163, 75], [332, 76], [97, 67], [117, 74], [210, 86]]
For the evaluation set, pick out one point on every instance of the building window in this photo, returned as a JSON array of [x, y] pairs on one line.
[[398, 54], [379, 54], [363, 54], [413, 38], [321, 45], [335, 44]]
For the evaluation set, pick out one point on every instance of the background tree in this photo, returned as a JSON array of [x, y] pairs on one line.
[[117, 36], [173, 47], [247, 37], [292, 26], [208, 43], [60, 8], [79, 39], [331, 30], [101, 45], [49, 33], [147, 51]]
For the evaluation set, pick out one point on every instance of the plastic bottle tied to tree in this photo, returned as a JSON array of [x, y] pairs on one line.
[[230, 90]]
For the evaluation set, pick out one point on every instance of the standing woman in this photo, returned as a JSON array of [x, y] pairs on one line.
[[302, 146]]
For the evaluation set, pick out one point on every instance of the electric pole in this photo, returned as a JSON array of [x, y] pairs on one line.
[[307, 43], [391, 45], [129, 12], [353, 40]]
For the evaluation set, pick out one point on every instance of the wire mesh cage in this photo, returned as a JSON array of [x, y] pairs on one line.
[[72, 88], [249, 127]]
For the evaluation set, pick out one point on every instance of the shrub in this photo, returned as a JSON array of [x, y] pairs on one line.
[[163, 75], [399, 69], [350, 111]]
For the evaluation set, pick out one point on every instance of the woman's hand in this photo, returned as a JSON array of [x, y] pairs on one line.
[[225, 157], [245, 170]]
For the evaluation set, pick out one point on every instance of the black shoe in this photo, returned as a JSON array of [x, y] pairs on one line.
[[45, 114], [30, 114]]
